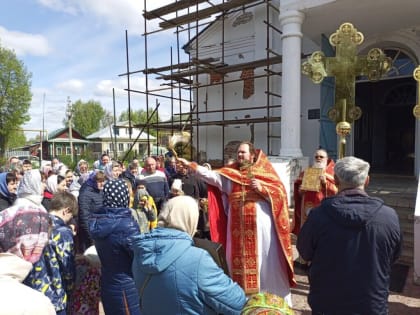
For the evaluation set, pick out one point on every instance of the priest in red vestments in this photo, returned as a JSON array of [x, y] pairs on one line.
[[248, 214], [305, 200]]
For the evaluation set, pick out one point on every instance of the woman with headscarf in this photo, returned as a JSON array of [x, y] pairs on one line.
[[24, 226], [168, 267], [80, 175], [54, 184], [112, 170], [111, 227], [8, 187], [23, 235]]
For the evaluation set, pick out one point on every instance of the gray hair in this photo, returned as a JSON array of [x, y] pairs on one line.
[[352, 171]]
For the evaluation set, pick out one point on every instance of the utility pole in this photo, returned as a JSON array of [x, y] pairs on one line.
[[69, 112], [41, 133]]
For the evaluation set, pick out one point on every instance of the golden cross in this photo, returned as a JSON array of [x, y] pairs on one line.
[[345, 67], [416, 75]]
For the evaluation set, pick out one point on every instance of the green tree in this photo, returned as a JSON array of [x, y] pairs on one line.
[[139, 117], [15, 96], [17, 139], [86, 117]]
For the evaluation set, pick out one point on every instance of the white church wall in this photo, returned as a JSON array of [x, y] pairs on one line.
[[310, 128]]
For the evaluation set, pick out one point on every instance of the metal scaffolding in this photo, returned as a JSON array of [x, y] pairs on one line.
[[189, 19]]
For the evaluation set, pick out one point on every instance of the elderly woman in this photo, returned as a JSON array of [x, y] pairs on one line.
[[111, 227], [168, 267], [23, 235], [24, 226]]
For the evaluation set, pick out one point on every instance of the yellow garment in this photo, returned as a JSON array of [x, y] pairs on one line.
[[151, 202]]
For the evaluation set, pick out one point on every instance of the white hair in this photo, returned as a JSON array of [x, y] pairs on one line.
[[352, 171]]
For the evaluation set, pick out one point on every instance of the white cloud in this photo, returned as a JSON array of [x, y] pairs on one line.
[[89, 54], [67, 6], [71, 86], [121, 12], [24, 43]]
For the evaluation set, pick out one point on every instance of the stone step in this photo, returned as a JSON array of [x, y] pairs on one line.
[[406, 257], [407, 227]]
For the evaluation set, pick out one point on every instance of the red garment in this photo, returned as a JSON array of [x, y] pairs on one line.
[[310, 199], [47, 194], [242, 200]]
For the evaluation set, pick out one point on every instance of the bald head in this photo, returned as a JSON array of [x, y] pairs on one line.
[[150, 165]]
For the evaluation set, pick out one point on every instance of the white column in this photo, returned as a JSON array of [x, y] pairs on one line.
[[291, 22], [417, 238]]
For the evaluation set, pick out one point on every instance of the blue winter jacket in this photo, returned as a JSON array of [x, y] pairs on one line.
[[352, 240], [112, 229], [175, 277]]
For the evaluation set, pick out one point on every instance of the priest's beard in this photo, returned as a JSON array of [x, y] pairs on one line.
[[320, 164], [244, 164]]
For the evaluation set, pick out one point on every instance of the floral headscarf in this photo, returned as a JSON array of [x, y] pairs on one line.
[[24, 232], [116, 194]]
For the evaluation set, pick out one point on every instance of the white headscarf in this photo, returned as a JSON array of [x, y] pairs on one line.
[[52, 184], [30, 186], [109, 168], [180, 213]]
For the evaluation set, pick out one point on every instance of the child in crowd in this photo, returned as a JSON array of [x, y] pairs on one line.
[[54, 273], [145, 211]]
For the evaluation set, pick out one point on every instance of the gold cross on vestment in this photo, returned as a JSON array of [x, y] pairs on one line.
[[345, 67]]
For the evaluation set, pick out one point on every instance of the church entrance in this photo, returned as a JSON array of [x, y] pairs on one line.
[[384, 135]]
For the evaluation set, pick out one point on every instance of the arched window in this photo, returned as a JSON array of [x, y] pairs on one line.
[[402, 64]]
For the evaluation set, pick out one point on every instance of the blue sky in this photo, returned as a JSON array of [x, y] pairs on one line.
[[76, 49]]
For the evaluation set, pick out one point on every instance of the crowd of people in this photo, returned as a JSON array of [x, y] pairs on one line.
[[124, 237]]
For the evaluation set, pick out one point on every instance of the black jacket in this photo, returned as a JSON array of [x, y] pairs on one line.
[[90, 200], [351, 240], [6, 202]]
